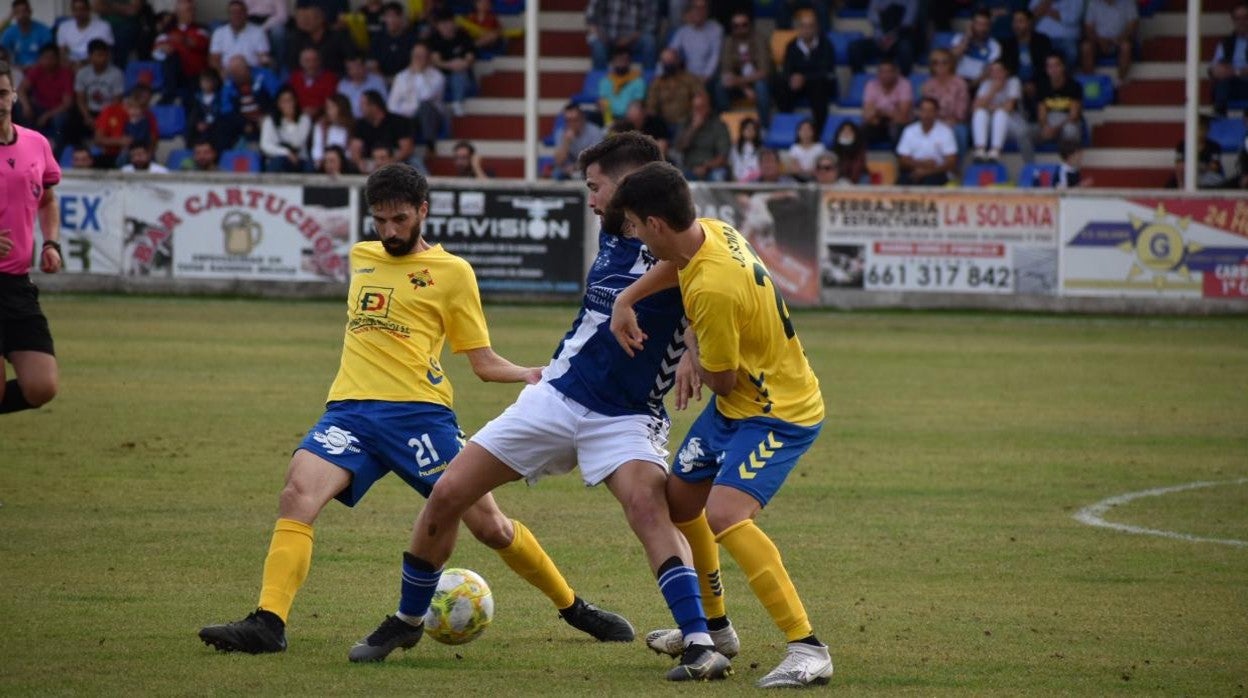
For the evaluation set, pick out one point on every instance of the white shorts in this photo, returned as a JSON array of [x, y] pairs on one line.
[[546, 433]]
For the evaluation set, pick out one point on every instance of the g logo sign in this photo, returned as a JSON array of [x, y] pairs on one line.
[[374, 301]]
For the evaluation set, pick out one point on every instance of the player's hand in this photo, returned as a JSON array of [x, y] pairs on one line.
[[6, 243], [625, 328], [533, 375], [50, 260], [688, 380]]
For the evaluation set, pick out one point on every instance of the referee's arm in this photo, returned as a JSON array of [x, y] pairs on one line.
[[50, 224]]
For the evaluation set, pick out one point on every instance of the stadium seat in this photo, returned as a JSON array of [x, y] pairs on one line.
[[509, 7], [150, 73], [733, 119], [833, 124], [176, 157], [852, 97], [943, 39], [840, 44], [545, 166], [1036, 175], [170, 119], [240, 160], [1228, 133], [783, 130], [765, 8], [916, 83], [1098, 90], [589, 88], [985, 174], [66, 160], [780, 39]]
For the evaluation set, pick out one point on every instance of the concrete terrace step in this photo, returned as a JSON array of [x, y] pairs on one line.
[[1175, 24], [1130, 134], [1133, 178], [1174, 48], [550, 85], [1161, 92], [479, 127]]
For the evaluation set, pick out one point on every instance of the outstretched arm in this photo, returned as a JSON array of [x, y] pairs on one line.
[[492, 368], [660, 277]]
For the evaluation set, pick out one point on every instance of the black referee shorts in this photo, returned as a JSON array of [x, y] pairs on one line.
[[22, 324]]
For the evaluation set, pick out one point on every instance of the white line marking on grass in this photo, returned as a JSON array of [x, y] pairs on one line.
[[1091, 515]]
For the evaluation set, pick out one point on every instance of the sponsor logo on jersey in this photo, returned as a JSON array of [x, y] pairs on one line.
[[336, 441], [434, 372], [374, 301]]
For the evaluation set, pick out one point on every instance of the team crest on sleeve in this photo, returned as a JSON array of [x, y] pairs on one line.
[[420, 279], [336, 441]]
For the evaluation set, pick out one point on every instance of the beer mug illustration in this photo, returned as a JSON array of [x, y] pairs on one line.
[[241, 233]]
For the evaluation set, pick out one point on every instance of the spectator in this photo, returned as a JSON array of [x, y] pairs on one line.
[[247, 96], [207, 116], [743, 158], [451, 50], [1240, 181], [997, 113], [139, 156], [204, 158], [123, 123], [82, 158], [927, 152], [887, 103], [75, 35], [703, 143], [333, 129], [49, 90], [391, 51], [895, 35], [284, 135], [336, 164], [809, 71], [1110, 28], [699, 40], [1068, 171], [332, 46], [417, 95], [804, 152], [577, 134], [271, 16], [313, 85], [239, 37], [1229, 67], [975, 50], [96, 85], [671, 94], [620, 87], [786, 10], [484, 28], [1024, 54], [1059, 106], [468, 162], [24, 37], [826, 169], [1209, 172], [942, 12], [850, 148], [745, 68], [122, 17], [359, 80], [628, 23], [183, 49], [950, 93], [365, 23], [380, 156], [770, 170], [378, 128], [1061, 21], [647, 123]]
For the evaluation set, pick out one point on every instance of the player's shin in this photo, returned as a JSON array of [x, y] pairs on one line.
[[526, 558], [286, 566], [706, 562], [679, 584], [420, 581], [769, 580]]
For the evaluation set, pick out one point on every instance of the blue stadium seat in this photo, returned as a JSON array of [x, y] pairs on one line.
[[943, 39], [549, 139], [833, 124], [240, 160], [509, 7], [1098, 90], [545, 166], [783, 130], [176, 157], [764, 8], [589, 89], [149, 72], [67, 157], [916, 83], [985, 174], [1228, 133], [1036, 175], [170, 119], [852, 97], [840, 44], [852, 12]]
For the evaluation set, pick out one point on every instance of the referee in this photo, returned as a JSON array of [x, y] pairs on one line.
[[25, 189]]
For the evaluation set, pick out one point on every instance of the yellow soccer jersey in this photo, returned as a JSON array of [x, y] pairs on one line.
[[400, 310], [742, 324]]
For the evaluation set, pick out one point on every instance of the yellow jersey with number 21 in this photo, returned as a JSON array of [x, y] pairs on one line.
[[400, 311], [742, 324]]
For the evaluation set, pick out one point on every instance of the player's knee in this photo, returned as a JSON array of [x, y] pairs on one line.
[[39, 393], [446, 501], [646, 510], [722, 518], [493, 532]]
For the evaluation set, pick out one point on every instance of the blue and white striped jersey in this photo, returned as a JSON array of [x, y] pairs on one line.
[[590, 367]]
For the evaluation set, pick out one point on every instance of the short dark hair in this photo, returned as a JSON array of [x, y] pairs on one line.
[[933, 100], [618, 152], [472, 149], [1026, 13], [659, 190], [6, 71], [98, 45], [374, 97], [18, 3], [1067, 147], [983, 12], [396, 183]]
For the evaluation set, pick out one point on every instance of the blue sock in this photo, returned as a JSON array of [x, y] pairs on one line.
[[420, 580], [679, 584]]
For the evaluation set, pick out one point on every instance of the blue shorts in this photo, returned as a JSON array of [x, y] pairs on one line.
[[370, 438], [753, 455]]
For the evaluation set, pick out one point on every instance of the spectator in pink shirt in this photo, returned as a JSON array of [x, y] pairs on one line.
[[887, 104], [953, 99]]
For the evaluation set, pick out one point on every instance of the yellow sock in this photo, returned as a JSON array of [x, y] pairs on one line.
[[526, 558], [285, 568], [706, 562], [760, 560]]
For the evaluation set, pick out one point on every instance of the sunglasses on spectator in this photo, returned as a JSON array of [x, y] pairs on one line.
[[825, 167]]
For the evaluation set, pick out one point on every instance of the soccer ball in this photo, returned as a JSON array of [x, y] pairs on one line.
[[461, 609]]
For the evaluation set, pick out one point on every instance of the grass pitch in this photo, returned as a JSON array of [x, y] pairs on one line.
[[929, 530]]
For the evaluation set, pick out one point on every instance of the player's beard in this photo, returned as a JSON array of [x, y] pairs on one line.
[[613, 221], [399, 248]]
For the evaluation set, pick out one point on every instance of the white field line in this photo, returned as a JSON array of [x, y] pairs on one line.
[[1091, 515]]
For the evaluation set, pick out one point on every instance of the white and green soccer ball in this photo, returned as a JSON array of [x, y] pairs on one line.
[[461, 609]]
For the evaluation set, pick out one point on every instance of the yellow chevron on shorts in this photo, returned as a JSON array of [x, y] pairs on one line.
[[758, 457]]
